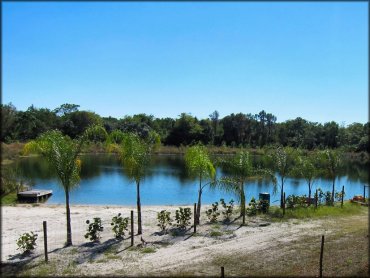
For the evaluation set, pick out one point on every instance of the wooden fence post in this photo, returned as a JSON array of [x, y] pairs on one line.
[[222, 272], [45, 241], [321, 254], [342, 196], [132, 228], [316, 199], [364, 192], [195, 217], [284, 204]]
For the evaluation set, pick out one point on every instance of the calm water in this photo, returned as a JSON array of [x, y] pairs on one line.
[[167, 183]]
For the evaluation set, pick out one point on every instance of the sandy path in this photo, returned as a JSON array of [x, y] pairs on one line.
[[181, 252]]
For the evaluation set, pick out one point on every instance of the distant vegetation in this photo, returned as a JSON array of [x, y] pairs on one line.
[[234, 130]]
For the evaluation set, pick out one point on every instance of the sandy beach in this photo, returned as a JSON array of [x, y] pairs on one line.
[[160, 255]]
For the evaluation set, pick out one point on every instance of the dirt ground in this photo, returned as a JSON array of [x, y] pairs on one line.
[[261, 247]]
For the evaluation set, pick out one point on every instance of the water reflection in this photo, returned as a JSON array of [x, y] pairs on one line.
[[104, 182]]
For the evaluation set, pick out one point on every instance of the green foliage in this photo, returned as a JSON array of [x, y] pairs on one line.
[[27, 242], [94, 229], [97, 133], [294, 201], [252, 209], [228, 209], [119, 226], [164, 220], [213, 213], [263, 206], [182, 217], [198, 162]]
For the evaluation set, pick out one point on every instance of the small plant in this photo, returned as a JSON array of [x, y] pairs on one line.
[[319, 196], [338, 196], [27, 242], [182, 217], [94, 229], [213, 213], [164, 220], [252, 209], [119, 226], [263, 206], [215, 234], [228, 209], [328, 199]]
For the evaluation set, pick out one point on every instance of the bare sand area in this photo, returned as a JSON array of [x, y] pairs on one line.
[[214, 245]]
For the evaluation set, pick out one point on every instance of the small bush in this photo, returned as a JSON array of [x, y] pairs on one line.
[[228, 209], [182, 217], [252, 209], [215, 233], [94, 229], [119, 226], [27, 242], [213, 213], [164, 220], [263, 206]]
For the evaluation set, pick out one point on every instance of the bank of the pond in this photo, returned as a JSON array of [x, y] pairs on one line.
[[254, 249]]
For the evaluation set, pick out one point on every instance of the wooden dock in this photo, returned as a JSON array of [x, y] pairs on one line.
[[34, 196]]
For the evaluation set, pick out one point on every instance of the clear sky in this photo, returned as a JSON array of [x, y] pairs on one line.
[[298, 59]]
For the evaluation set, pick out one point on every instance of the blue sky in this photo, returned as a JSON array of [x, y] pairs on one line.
[[296, 59]]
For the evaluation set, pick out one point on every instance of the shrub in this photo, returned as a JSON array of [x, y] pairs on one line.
[[294, 201], [27, 242], [338, 196], [252, 209], [228, 209], [94, 229], [263, 206], [327, 197], [164, 219], [119, 226], [182, 217], [213, 213]]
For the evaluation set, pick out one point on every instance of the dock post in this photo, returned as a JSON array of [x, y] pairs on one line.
[[316, 199], [132, 228], [342, 196], [222, 272], [45, 241], [195, 217]]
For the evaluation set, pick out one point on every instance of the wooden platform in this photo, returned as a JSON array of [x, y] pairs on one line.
[[34, 196]]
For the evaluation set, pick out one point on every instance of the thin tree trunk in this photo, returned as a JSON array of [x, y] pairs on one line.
[[199, 201], [282, 193], [332, 192], [68, 213], [139, 227], [242, 202], [309, 194]]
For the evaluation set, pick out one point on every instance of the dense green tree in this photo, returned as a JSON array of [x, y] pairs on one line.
[[8, 119], [185, 131], [75, 123]]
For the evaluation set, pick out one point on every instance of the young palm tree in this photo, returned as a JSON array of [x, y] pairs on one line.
[[283, 161], [199, 166], [331, 160], [306, 168], [135, 155], [241, 169], [62, 153]]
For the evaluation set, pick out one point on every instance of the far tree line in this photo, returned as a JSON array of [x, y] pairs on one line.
[[234, 130]]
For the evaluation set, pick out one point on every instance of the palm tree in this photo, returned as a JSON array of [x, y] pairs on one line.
[[135, 155], [241, 168], [283, 161], [199, 165], [62, 153], [331, 160], [306, 168]]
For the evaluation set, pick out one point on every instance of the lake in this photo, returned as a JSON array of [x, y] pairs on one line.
[[167, 183]]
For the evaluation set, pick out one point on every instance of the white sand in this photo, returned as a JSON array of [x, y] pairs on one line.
[[179, 253]]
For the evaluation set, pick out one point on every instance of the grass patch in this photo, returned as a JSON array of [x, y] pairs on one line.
[[215, 234], [73, 251], [216, 226], [147, 250], [9, 199], [348, 209], [113, 257]]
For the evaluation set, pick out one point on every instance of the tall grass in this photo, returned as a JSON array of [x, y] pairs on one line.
[[348, 208]]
